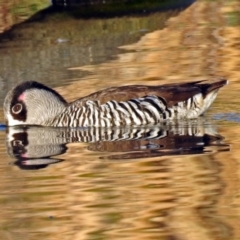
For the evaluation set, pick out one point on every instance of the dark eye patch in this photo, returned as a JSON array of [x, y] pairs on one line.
[[19, 111], [17, 108]]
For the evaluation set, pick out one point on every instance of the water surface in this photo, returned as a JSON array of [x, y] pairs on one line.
[[79, 185]]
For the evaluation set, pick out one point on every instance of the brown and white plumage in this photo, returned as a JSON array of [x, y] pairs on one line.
[[32, 103]]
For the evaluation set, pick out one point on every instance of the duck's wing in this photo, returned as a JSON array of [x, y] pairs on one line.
[[171, 93]]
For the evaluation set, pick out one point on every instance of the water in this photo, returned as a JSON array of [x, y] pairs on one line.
[[155, 182]]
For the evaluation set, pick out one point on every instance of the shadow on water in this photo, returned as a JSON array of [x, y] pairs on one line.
[[113, 8], [33, 147], [45, 46]]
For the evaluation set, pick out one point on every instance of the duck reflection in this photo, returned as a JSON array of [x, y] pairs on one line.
[[35, 147]]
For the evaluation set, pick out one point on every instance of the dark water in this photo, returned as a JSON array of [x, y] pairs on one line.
[[172, 181]]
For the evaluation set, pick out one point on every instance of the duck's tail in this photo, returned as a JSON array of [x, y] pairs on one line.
[[212, 85]]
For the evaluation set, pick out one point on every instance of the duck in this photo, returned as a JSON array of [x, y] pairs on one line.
[[33, 103]]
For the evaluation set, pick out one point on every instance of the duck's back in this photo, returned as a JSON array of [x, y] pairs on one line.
[[140, 104]]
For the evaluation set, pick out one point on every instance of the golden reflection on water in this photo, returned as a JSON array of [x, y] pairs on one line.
[[169, 197], [87, 198]]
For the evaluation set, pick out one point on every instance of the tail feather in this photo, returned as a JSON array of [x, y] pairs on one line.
[[211, 86]]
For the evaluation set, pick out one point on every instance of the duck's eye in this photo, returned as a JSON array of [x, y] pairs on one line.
[[17, 108]]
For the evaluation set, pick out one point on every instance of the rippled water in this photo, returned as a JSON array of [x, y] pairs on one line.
[[177, 181]]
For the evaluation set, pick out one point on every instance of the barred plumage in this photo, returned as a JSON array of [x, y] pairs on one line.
[[32, 103], [141, 111]]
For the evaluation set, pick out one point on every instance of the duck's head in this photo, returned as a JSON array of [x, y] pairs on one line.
[[32, 103]]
